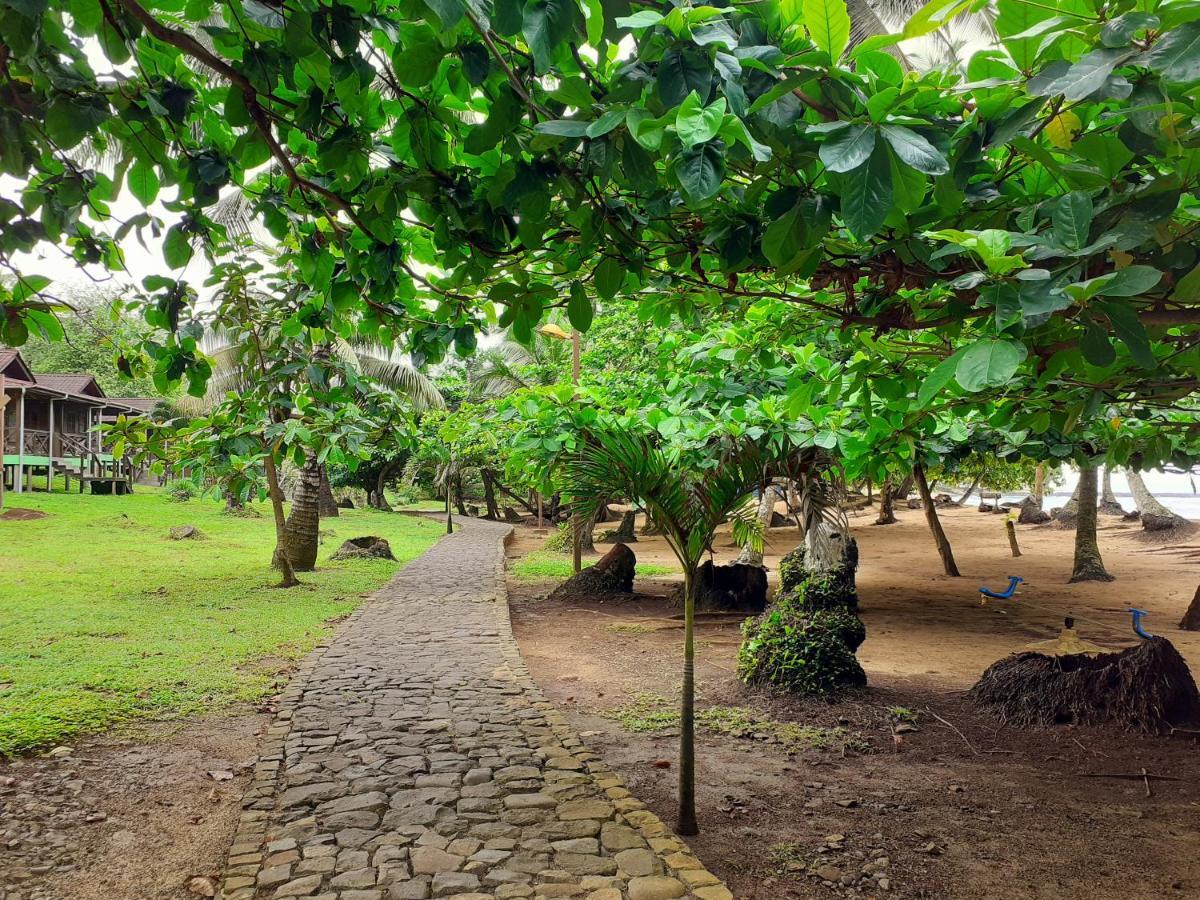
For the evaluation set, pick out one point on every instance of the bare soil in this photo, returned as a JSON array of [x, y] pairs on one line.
[[958, 806], [130, 817]]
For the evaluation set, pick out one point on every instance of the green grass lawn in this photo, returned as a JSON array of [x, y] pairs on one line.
[[548, 564], [104, 620]]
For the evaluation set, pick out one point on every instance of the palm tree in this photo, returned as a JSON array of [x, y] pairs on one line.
[[511, 366], [687, 505], [1155, 516], [374, 362], [1088, 565]]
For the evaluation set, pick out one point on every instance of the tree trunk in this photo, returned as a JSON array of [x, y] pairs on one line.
[[301, 531], [1155, 516], [935, 524], [376, 498], [459, 503], [766, 507], [1069, 511], [1191, 618], [1109, 504], [967, 496], [449, 518], [328, 505], [887, 501], [1088, 564], [1039, 485], [489, 496], [686, 824], [280, 558]]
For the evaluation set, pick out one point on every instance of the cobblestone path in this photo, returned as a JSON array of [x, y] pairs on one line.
[[413, 757]]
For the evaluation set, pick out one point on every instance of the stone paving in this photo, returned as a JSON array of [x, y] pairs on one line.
[[413, 757]]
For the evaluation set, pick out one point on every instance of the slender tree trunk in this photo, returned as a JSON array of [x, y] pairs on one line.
[[686, 824], [870, 492], [1155, 516], [459, 503], [302, 529], [1109, 505], [1039, 485], [967, 496], [887, 504], [449, 519], [1088, 564], [280, 559], [766, 509], [328, 507], [489, 496], [935, 524], [376, 499]]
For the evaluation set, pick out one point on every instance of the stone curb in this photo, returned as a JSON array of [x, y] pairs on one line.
[[677, 857]]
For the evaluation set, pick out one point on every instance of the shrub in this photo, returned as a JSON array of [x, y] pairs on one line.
[[831, 589], [182, 490], [802, 652], [560, 541]]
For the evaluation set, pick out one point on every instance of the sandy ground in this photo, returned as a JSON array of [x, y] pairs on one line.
[[958, 808]]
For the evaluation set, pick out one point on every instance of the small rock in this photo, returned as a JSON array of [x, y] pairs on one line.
[[59, 752], [202, 886]]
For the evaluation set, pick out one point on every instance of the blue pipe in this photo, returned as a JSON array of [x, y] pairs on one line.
[[1013, 581], [1137, 622]]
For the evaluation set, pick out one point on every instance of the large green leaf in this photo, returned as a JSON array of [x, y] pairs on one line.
[[700, 171], [696, 123], [867, 195], [579, 308], [143, 182], [991, 362], [848, 147], [1072, 219], [546, 24], [1176, 54], [937, 380], [1089, 74], [682, 71], [828, 24], [609, 276], [1131, 331], [915, 151]]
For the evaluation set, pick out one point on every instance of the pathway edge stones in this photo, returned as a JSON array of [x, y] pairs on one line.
[[683, 875]]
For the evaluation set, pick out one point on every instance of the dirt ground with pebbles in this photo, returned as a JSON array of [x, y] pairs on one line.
[[135, 818], [906, 789]]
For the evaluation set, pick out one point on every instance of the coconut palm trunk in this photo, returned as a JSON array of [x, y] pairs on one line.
[[967, 494], [935, 524], [1039, 485], [766, 511], [1109, 505], [301, 532], [1088, 564], [1155, 516], [887, 504], [328, 504]]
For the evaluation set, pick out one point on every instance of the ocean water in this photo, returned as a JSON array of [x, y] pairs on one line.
[[1175, 491]]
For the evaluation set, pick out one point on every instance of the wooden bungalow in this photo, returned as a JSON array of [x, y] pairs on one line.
[[49, 427]]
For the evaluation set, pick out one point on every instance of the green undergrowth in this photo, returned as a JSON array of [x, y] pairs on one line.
[[106, 621], [649, 713], [543, 564]]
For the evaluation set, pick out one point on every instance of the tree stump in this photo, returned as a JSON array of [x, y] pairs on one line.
[[736, 587], [612, 574], [369, 547], [1145, 688], [185, 533], [345, 503], [624, 534], [1191, 618], [512, 516], [779, 521]]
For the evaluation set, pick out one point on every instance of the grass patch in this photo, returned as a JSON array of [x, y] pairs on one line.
[[545, 564], [107, 621], [649, 713]]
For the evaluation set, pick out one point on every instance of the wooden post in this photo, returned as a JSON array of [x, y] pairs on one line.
[[3, 404], [1011, 527], [50, 451], [19, 474]]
